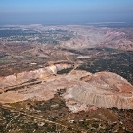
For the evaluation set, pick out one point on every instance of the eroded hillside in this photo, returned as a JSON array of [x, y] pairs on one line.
[[66, 78]]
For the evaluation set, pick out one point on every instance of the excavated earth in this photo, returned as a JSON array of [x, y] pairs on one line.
[[84, 90]]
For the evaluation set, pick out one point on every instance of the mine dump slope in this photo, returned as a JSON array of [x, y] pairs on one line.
[[27, 76], [83, 89], [103, 89]]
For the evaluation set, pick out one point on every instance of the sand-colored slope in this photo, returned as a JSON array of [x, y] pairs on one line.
[[83, 89]]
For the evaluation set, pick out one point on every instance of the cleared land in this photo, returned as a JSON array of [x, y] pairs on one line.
[[35, 56]]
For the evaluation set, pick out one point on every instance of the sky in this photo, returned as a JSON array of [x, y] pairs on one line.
[[65, 11]]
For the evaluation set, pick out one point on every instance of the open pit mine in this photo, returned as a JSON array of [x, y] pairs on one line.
[[66, 79], [83, 89]]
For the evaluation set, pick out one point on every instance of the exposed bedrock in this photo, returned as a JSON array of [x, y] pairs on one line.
[[83, 89], [23, 77], [103, 89]]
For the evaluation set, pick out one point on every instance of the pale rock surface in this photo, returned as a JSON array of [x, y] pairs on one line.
[[22, 77], [103, 89], [84, 90]]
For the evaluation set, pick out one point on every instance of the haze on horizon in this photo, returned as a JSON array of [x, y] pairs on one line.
[[50, 12]]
